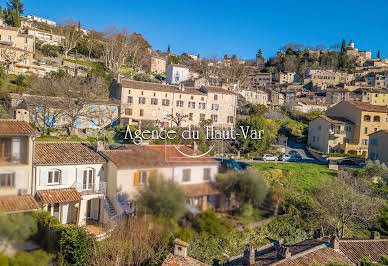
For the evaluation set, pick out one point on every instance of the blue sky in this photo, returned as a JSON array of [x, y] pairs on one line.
[[216, 27]]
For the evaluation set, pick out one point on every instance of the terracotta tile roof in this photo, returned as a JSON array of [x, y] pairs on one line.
[[59, 195], [336, 120], [356, 250], [214, 89], [15, 127], [176, 155], [127, 83], [10, 204], [367, 107], [173, 260], [135, 157], [64, 152], [202, 189], [307, 252]]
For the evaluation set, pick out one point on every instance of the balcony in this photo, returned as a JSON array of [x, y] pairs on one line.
[[92, 188], [337, 133]]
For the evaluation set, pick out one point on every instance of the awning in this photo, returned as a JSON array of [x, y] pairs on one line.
[[59, 195], [12, 204]]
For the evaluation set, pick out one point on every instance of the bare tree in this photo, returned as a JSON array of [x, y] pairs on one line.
[[93, 40], [116, 48], [72, 33], [11, 57], [177, 119], [138, 52]]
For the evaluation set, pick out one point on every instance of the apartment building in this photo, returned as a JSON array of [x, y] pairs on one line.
[[261, 79], [336, 95], [352, 123], [42, 20], [322, 78], [176, 74], [377, 149], [16, 178], [130, 168], [254, 96], [306, 106], [374, 96], [16, 50], [286, 77], [70, 182], [46, 37], [143, 102]]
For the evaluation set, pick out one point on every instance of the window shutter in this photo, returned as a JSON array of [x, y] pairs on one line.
[[19, 179], [136, 179], [65, 213], [43, 180], [64, 179]]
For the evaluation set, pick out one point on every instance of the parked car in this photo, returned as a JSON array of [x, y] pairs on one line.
[[228, 164], [347, 162], [244, 165], [288, 158], [269, 157], [295, 154]]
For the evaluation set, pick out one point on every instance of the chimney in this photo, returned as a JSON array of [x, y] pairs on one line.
[[284, 253], [100, 145], [182, 86], [249, 255], [180, 248], [375, 235], [21, 115], [334, 242]]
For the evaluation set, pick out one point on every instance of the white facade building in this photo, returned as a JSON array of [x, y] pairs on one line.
[[42, 20], [175, 74]]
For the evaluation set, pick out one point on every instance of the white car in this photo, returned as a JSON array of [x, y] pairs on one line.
[[269, 157]]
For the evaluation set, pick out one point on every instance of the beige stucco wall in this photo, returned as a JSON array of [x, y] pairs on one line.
[[378, 150]]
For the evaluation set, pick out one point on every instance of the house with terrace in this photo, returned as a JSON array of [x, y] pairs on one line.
[[16, 179], [130, 168], [70, 182]]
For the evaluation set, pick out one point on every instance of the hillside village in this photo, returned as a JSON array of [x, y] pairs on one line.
[[74, 190]]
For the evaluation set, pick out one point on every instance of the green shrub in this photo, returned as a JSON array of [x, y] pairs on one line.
[[75, 244], [209, 223], [34, 258], [247, 210]]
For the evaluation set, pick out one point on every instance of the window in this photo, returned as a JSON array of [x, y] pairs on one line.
[[54, 177], [313, 138], [154, 101], [88, 179], [7, 180], [202, 105], [319, 128], [25, 61], [143, 178], [153, 113], [141, 112], [92, 108], [102, 107], [165, 102], [165, 115], [367, 118], [206, 173], [26, 40], [9, 38], [192, 105], [364, 142], [366, 130], [179, 103], [5, 149], [191, 116], [114, 108], [214, 118], [376, 118], [215, 97], [142, 100], [215, 107], [55, 210], [128, 111], [186, 175], [130, 99], [201, 117], [230, 119], [375, 129]]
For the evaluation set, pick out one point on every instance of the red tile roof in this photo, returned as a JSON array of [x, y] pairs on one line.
[[176, 155], [64, 152], [173, 260], [135, 157], [336, 120], [203, 189], [356, 250], [214, 89], [11, 204], [15, 127], [363, 106], [59, 195], [128, 83]]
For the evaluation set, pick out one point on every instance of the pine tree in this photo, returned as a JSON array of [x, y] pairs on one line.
[[169, 49], [378, 54]]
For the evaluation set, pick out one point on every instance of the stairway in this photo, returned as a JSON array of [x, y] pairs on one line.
[[108, 206]]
